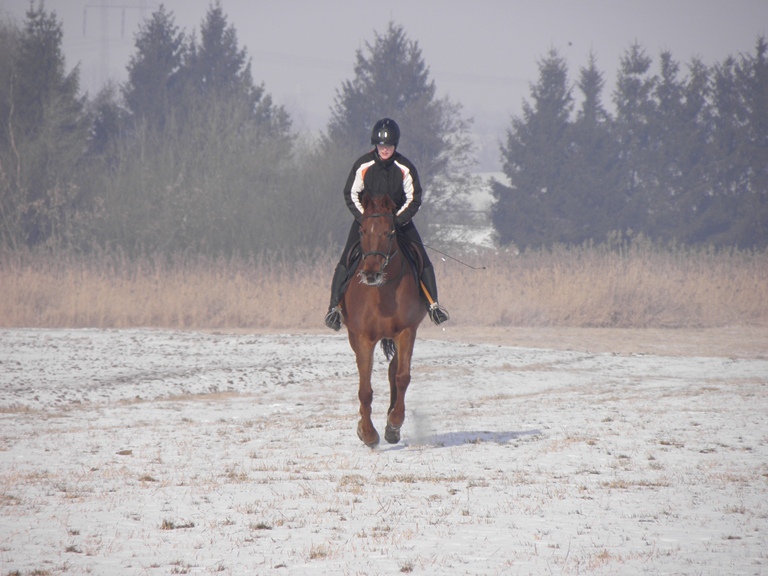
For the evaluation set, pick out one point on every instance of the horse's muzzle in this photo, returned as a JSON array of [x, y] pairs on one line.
[[372, 278]]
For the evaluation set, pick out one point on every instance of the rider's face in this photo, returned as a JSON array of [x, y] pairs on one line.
[[385, 151]]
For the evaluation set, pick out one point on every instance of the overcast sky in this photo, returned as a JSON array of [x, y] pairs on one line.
[[481, 53]]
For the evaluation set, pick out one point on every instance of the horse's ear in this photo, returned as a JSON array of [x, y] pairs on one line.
[[365, 201]]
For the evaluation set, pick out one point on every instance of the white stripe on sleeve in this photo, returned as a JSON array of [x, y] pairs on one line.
[[407, 187]]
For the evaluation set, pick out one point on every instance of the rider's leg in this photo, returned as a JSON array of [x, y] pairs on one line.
[[437, 313], [333, 317]]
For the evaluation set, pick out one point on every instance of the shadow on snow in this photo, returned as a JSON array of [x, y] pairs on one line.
[[460, 438]]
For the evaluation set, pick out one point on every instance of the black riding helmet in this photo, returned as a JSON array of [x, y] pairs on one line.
[[385, 131]]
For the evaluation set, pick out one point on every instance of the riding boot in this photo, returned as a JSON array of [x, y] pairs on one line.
[[333, 317], [437, 313]]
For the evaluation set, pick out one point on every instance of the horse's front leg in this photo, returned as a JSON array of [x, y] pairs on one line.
[[399, 379], [392, 434], [366, 431]]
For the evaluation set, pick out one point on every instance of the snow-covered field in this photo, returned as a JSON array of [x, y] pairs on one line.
[[157, 452]]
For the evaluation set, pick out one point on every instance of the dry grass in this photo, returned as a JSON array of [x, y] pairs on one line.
[[47, 291], [639, 288], [581, 287]]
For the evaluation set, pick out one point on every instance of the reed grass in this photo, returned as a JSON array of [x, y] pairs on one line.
[[589, 286]]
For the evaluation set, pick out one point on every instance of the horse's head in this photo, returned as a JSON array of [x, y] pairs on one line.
[[377, 238]]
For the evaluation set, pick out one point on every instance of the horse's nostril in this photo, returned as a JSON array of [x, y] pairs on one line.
[[372, 278]]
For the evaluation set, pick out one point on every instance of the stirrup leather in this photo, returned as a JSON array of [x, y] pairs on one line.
[[333, 318]]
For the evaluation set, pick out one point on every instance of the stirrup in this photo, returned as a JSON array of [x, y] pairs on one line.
[[333, 318], [438, 314]]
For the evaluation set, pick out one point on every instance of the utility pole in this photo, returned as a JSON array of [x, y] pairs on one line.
[[104, 7]]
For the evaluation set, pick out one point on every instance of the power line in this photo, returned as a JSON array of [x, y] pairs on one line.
[[104, 7]]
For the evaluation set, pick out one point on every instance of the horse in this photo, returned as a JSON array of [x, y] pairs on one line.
[[385, 305]]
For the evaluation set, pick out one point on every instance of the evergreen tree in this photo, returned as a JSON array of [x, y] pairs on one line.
[[392, 80], [206, 167], [43, 134], [633, 98], [218, 71], [238, 141], [9, 159], [694, 186], [728, 171], [675, 174], [592, 169], [685, 159], [154, 69], [664, 153], [752, 74], [532, 211], [219, 65], [736, 212]]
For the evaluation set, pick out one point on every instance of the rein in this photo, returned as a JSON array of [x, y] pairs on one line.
[[389, 254]]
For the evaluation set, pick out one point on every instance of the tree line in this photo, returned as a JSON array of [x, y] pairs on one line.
[[684, 157], [191, 155]]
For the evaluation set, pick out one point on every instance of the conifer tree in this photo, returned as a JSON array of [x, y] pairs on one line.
[[661, 168], [154, 70], [217, 72], [43, 134], [752, 74], [392, 80], [209, 152], [735, 212], [531, 211], [694, 156], [592, 171], [633, 98]]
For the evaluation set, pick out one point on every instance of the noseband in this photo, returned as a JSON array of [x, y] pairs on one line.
[[389, 254]]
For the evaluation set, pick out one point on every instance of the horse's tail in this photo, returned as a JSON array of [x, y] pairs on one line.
[[388, 346]]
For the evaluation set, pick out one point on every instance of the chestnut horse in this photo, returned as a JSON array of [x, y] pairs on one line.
[[384, 305]]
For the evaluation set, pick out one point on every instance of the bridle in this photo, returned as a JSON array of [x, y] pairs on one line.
[[389, 254]]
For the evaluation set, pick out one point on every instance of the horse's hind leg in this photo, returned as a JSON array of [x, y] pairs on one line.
[[402, 378], [364, 355]]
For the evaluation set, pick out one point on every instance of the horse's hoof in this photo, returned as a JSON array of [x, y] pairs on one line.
[[392, 434], [370, 443]]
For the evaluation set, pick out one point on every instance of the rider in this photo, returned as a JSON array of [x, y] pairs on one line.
[[383, 170]]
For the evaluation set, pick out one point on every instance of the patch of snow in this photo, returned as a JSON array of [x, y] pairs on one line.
[[161, 452]]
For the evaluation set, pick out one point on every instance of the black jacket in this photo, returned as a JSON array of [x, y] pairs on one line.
[[396, 177]]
